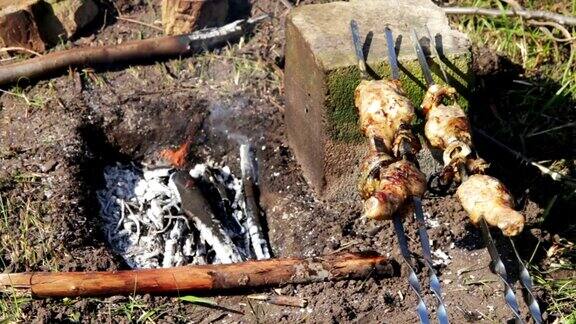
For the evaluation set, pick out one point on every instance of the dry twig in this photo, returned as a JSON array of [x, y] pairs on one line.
[[130, 52], [567, 36], [120, 17], [527, 14], [20, 49]]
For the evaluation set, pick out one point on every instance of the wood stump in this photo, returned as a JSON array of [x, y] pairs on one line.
[[38, 24], [184, 16]]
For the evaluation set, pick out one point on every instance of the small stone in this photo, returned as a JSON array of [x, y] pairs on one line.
[[48, 166]]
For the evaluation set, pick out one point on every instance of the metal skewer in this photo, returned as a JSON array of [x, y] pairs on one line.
[[392, 59], [497, 265], [434, 281], [525, 278], [421, 309], [418, 210], [412, 278], [526, 281], [422, 59]]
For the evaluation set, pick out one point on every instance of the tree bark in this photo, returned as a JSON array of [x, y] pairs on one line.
[[204, 278], [18, 27], [185, 16]]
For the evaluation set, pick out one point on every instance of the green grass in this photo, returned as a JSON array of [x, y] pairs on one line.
[[26, 238], [135, 310], [35, 101], [11, 307], [559, 281], [525, 43], [538, 108]]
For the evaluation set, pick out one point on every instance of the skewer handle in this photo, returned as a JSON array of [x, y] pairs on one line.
[[422, 59], [526, 281], [358, 49], [500, 270], [392, 58]]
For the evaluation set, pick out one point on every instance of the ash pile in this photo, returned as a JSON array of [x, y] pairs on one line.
[[165, 217]]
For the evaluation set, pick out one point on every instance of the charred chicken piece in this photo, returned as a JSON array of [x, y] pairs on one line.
[[370, 171], [386, 188], [486, 197], [384, 111]]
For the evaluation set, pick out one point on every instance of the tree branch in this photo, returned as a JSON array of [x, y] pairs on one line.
[[130, 52], [528, 14], [203, 278]]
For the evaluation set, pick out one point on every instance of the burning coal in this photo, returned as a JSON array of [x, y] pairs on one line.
[[156, 218]]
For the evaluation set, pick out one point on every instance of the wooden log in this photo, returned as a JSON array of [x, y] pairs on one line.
[[130, 52], [185, 16], [200, 279]]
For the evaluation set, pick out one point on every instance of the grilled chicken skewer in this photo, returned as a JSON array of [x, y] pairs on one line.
[[386, 183], [385, 116], [485, 198], [385, 186], [407, 149], [447, 128]]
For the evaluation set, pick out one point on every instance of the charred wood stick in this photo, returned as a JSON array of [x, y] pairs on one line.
[[527, 14], [251, 209], [197, 208], [200, 279], [144, 50]]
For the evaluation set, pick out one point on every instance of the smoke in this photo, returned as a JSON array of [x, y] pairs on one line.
[[224, 117]]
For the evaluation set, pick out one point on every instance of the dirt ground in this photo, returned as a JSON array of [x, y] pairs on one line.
[[53, 149]]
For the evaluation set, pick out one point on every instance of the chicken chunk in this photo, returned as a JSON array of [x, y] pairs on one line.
[[388, 189], [446, 125], [384, 110], [486, 197], [434, 96]]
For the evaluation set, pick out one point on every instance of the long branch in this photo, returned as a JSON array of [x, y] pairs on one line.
[[130, 52], [528, 14], [203, 278]]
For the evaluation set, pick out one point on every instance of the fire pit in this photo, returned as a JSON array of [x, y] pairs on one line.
[[146, 222]]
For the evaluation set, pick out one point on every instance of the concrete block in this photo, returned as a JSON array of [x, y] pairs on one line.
[[321, 75]]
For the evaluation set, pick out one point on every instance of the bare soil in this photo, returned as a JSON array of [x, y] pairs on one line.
[[52, 155]]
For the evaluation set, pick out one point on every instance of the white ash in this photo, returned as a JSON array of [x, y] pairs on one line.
[[143, 221], [430, 222], [440, 258]]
